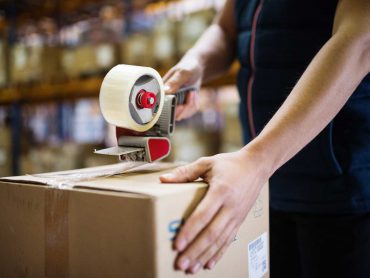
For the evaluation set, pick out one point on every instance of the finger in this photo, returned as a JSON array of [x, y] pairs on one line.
[[189, 102], [176, 81], [199, 220], [190, 106], [200, 231], [226, 233], [214, 260], [168, 74], [187, 173], [210, 240], [179, 110]]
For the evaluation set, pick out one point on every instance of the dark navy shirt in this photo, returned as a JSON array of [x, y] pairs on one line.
[[276, 42]]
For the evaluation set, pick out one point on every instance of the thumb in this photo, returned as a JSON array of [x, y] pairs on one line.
[[187, 173]]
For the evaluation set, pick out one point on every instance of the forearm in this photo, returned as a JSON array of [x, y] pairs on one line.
[[215, 50], [321, 92]]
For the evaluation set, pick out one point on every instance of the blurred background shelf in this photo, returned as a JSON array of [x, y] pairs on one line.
[[54, 55], [78, 88]]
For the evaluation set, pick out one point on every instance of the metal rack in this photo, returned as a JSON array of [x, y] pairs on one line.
[[15, 96]]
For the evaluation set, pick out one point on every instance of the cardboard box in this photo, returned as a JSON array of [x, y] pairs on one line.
[[88, 60], [137, 49], [191, 28], [164, 46], [19, 60], [34, 63], [3, 63], [85, 60], [82, 224], [51, 68], [69, 60]]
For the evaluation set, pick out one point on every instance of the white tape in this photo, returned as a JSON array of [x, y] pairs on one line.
[[121, 82]]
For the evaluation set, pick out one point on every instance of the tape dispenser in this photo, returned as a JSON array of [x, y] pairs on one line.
[[132, 99]]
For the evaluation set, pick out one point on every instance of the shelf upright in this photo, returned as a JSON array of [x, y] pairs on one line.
[[15, 108], [60, 113]]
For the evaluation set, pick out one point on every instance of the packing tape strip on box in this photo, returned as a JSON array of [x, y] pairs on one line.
[[120, 92]]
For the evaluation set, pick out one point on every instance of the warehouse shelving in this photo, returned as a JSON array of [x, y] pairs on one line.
[[78, 88], [14, 96]]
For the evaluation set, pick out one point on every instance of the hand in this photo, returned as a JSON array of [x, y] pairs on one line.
[[188, 72], [235, 180]]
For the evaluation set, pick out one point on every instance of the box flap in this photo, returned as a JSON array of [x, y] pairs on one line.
[[132, 177]]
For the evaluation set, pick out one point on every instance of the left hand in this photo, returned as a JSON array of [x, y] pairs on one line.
[[235, 180]]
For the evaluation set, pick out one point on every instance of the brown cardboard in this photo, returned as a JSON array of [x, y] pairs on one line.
[[137, 50], [34, 63], [82, 225]]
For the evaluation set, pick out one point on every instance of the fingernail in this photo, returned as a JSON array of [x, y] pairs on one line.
[[195, 268], [211, 264], [184, 263], [181, 244], [167, 88], [168, 176]]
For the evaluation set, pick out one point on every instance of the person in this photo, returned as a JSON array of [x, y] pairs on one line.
[[304, 85]]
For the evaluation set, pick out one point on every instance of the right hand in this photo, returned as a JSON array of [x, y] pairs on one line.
[[234, 179], [188, 72]]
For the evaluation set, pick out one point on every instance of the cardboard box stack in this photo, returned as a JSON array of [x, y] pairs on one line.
[[51, 68], [88, 223], [3, 76], [137, 50], [89, 60], [164, 46], [191, 28], [34, 63]]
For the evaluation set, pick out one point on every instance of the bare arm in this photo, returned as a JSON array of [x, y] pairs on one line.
[[216, 47], [323, 89], [211, 56]]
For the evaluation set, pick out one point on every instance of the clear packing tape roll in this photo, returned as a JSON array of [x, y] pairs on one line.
[[119, 95]]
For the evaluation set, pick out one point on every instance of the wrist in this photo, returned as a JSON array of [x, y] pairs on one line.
[[199, 58], [257, 152]]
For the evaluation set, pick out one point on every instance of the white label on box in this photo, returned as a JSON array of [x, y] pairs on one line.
[[257, 257]]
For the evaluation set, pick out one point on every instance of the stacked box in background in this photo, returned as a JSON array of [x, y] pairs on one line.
[[3, 76], [48, 147], [164, 44], [89, 60], [191, 28], [51, 68], [231, 136], [54, 64], [159, 45], [137, 49], [34, 63], [19, 68]]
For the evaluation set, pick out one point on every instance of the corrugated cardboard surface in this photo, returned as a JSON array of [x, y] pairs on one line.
[[118, 226]]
